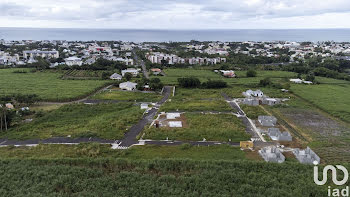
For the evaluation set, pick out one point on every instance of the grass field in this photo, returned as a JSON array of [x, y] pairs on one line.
[[196, 100], [195, 105], [213, 127], [173, 74], [158, 177], [128, 96], [108, 121], [47, 85], [253, 112], [331, 98], [82, 74]]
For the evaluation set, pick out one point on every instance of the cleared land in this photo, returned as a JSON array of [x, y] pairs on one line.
[[121, 95], [47, 85], [196, 100], [212, 127], [108, 121]]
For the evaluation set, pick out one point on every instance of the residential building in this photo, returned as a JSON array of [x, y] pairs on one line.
[[71, 61], [116, 76], [272, 154], [43, 54], [276, 135], [133, 71], [306, 156], [130, 86], [256, 93], [267, 121]]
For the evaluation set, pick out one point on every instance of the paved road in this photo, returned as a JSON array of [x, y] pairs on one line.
[[55, 140], [142, 63], [130, 137], [250, 127], [194, 143]]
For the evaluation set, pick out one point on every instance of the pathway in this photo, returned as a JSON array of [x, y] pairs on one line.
[[250, 126]]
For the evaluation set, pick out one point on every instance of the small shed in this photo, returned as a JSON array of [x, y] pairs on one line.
[[246, 144]]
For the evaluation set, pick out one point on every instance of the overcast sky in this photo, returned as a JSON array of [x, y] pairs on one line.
[[176, 14]]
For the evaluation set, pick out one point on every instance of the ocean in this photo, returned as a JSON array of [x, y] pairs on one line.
[[338, 35]]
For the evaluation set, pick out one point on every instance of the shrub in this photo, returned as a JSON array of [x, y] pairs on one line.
[[214, 84], [251, 73], [189, 82]]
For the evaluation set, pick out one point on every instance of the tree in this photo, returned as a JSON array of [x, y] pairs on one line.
[[105, 75], [310, 77], [251, 73], [189, 82], [155, 84], [265, 82], [214, 84], [128, 76]]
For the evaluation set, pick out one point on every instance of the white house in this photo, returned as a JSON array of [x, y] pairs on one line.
[[73, 61], [128, 86], [257, 93], [43, 54], [296, 80], [116, 76], [133, 71]]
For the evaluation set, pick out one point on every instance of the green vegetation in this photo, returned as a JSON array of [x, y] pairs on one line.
[[121, 95], [47, 85], [196, 105], [212, 127], [253, 112], [251, 73], [83, 74], [205, 74], [333, 99], [108, 121], [196, 100], [94, 150], [159, 177]]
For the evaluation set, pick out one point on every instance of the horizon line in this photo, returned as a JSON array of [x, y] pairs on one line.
[[198, 29]]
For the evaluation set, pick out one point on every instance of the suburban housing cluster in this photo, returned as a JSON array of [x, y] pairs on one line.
[[158, 58], [79, 53]]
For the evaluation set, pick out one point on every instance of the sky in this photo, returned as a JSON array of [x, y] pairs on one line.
[[176, 14]]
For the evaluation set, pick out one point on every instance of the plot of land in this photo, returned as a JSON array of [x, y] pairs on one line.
[[214, 127], [47, 85], [196, 105], [329, 138], [204, 75], [108, 121], [121, 95], [333, 99], [82, 74]]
